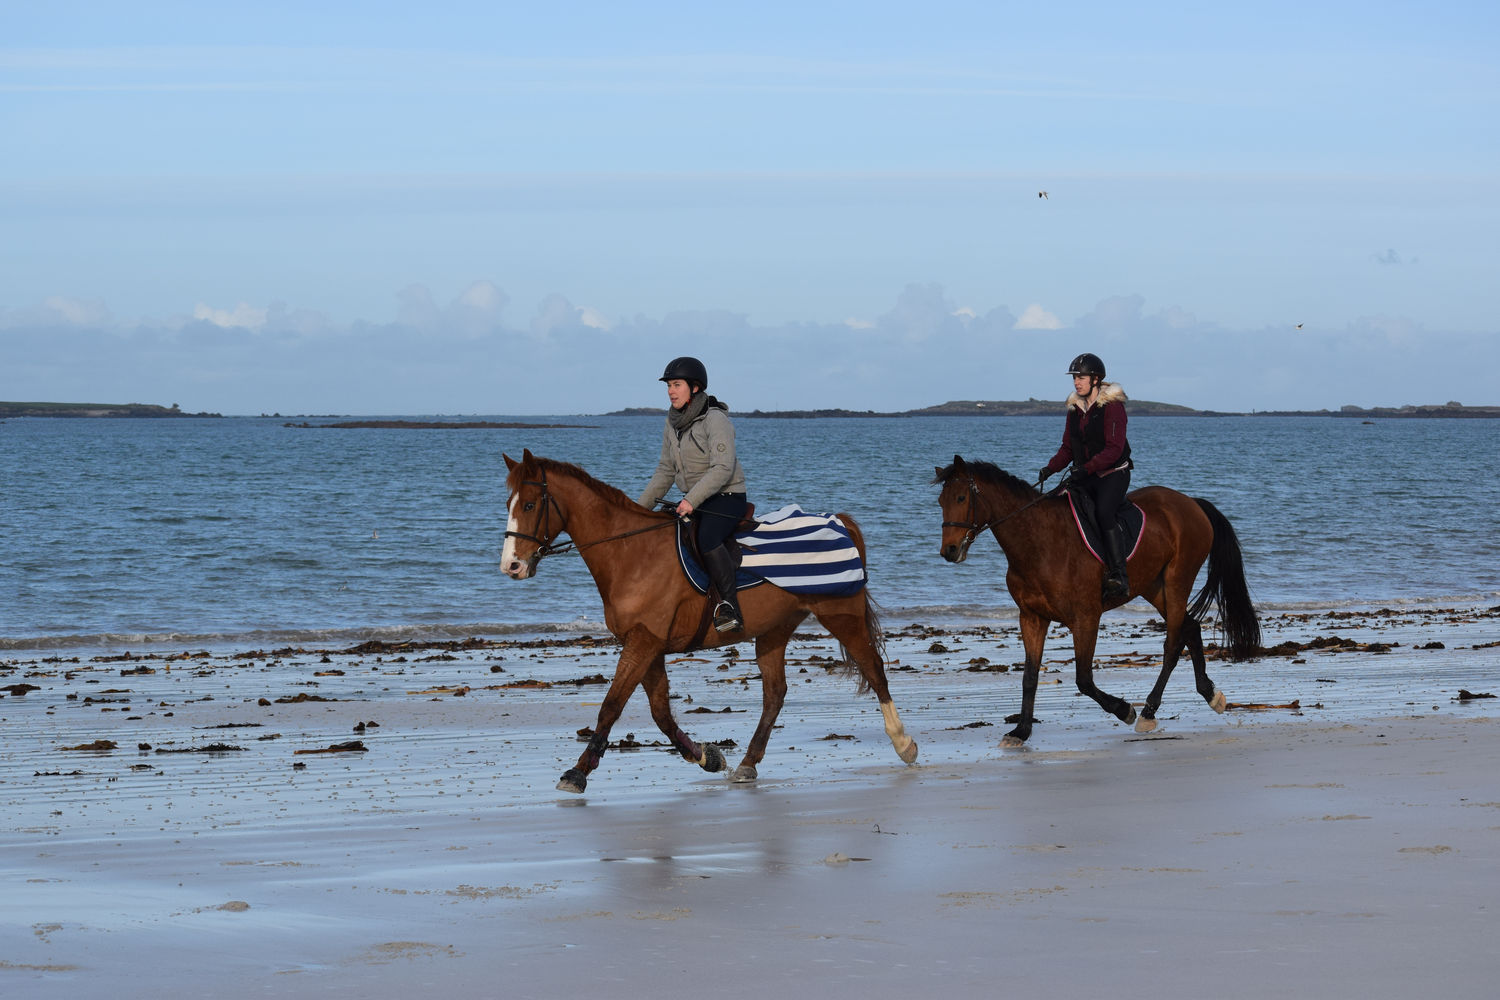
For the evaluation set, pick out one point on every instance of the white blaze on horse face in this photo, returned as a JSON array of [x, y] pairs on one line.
[[509, 564]]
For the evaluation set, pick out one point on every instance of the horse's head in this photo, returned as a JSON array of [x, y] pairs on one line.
[[976, 497], [959, 501], [965, 508], [533, 518]]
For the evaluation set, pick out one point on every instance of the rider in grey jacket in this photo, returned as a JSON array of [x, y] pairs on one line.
[[697, 454]]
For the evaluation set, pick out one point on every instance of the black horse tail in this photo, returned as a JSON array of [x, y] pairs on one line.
[[873, 630], [1226, 587]]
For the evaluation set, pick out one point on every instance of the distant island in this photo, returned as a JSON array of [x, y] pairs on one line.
[[1138, 407], [952, 408], [95, 410]]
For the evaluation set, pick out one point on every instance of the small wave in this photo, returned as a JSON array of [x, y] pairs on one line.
[[296, 637], [1459, 601]]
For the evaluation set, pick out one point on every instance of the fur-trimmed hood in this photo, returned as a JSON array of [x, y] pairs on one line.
[[1109, 392]]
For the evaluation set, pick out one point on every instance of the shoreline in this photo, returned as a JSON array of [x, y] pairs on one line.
[[957, 617]]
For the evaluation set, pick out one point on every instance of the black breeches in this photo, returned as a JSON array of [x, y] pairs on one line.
[[1108, 493], [717, 518]]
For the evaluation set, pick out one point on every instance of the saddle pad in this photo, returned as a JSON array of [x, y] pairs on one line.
[[1132, 519], [797, 551]]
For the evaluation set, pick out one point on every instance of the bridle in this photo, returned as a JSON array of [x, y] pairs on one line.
[[543, 539], [975, 528]]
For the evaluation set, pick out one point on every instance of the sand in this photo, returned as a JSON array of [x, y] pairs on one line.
[[1341, 839]]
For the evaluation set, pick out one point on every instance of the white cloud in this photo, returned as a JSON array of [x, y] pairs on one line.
[[589, 316], [1034, 317], [241, 315], [965, 313], [859, 324]]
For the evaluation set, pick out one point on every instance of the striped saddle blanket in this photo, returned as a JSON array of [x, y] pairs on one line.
[[797, 551]]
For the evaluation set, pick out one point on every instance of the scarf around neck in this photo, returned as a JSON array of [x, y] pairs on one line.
[[680, 419]]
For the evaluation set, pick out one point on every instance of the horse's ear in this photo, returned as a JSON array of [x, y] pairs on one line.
[[510, 463], [527, 456], [937, 473], [958, 462]]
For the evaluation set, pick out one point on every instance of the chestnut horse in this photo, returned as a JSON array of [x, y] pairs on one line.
[[650, 606], [1053, 578]]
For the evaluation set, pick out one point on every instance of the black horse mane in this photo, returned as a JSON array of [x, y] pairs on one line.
[[985, 472], [611, 493]]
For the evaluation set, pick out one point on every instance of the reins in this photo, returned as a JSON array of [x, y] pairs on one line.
[[547, 548]]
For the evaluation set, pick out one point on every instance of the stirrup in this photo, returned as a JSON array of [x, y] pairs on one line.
[[1116, 587], [726, 618]]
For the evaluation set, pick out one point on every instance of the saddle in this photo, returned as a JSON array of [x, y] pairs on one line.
[[1132, 522], [692, 565]]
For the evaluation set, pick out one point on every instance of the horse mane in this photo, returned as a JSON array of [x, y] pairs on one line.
[[988, 473], [612, 494]]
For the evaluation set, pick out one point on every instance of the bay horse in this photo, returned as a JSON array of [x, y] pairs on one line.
[[1053, 578], [653, 610]]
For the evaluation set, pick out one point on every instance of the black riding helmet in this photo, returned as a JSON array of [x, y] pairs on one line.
[[1087, 364], [690, 370]]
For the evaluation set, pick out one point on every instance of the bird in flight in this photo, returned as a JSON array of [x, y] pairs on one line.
[[1042, 194]]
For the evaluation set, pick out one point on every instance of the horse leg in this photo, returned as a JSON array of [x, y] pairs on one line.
[[770, 656], [1033, 637], [1085, 634], [1205, 686], [635, 658], [706, 756], [859, 635], [1171, 650]]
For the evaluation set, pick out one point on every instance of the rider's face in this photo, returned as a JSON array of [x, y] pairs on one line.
[[678, 393], [1083, 384]]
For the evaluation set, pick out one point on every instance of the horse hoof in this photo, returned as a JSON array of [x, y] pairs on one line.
[[713, 759], [743, 773], [573, 780], [1129, 716], [1145, 725], [1010, 741], [1218, 703], [909, 755]]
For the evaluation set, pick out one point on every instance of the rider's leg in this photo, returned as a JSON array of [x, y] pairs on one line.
[[717, 517]]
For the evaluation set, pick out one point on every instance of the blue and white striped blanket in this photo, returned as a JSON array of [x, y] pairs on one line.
[[797, 551]]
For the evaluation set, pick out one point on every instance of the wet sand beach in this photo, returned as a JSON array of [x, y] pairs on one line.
[[381, 820]]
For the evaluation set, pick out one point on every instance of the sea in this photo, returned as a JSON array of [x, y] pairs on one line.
[[258, 532]]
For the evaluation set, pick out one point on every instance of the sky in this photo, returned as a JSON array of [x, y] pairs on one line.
[[497, 208]]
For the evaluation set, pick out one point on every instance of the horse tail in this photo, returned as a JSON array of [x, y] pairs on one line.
[[873, 630], [1226, 587]]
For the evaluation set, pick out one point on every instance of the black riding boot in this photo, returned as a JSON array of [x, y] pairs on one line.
[[1116, 581], [721, 566]]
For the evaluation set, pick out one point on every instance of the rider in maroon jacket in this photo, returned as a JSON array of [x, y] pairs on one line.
[[1094, 444]]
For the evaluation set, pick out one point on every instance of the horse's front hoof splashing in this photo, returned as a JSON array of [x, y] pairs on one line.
[[1145, 725], [1010, 741], [573, 780], [743, 774], [712, 760]]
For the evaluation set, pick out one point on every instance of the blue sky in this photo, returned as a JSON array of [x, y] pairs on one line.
[[496, 208]]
